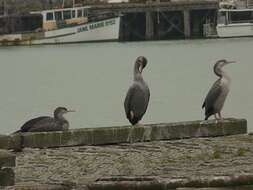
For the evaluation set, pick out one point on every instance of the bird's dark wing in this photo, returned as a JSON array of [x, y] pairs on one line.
[[44, 125], [31, 123], [212, 95], [128, 99], [137, 100]]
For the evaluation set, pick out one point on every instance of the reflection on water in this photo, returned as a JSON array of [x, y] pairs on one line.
[[93, 79]]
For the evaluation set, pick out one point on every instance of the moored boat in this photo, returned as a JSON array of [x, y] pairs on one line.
[[235, 23], [65, 25]]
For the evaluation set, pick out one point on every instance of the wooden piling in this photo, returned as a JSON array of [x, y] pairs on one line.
[[149, 26], [187, 24]]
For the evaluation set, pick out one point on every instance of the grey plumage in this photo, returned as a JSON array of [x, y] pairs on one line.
[[137, 98], [46, 123], [216, 96]]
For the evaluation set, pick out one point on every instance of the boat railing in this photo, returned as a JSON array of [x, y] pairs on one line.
[[241, 21], [249, 3]]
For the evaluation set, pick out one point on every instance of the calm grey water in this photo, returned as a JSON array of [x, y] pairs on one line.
[[93, 80]]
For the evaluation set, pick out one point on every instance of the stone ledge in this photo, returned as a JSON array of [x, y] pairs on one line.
[[33, 186], [128, 134], [7, 177], [158, 183], [10, 142], [7, 159], [219, 188]]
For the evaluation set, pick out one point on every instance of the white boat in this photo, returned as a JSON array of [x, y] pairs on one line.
[[66, 25], [235, 22]]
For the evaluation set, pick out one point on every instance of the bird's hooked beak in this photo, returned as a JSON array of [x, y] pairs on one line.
[[71, 111], [228, 62], [142, 66], [142, 62], [222, 63], [231, 61]]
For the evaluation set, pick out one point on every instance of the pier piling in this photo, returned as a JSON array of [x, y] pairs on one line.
[[149, 25], [187, 25]]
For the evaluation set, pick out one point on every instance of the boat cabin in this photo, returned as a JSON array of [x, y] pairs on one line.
[[65, 17], [233, 16]]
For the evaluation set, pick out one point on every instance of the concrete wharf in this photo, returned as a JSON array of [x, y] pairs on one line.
[[165, 156]]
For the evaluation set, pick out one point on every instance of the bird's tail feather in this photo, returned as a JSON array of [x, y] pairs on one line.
[[134, 120]]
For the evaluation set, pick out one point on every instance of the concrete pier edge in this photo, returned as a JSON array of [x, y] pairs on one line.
[[146, 183], [125, 134], [7, 163]]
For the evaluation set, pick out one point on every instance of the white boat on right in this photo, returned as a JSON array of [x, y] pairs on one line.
[[235, 23]]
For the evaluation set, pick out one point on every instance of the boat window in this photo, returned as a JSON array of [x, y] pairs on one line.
[[73, 14], [241, 16], [50, 16], [67, 15], [222, 18], [58, 15], [79, 13]]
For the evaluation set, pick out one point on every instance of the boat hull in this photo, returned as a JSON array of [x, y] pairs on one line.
[[235, 30], [104, 30]]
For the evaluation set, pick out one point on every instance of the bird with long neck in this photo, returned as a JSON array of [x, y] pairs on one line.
[[217, 95], [137, 98]]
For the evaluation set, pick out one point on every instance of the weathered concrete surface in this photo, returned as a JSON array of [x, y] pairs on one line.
[[223, 188], [7, 177], [35, 186], [198, 162], [10, 142], [7, 161], [124, 134], [125, 183]]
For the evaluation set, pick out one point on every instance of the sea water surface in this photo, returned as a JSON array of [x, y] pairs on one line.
[[93, 79]]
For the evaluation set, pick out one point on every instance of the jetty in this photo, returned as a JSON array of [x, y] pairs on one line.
[[176, 156], [155, 20], [140, 20]]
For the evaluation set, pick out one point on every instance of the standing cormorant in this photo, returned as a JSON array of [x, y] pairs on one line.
[[216, 96], [46, 123], [137, 98]]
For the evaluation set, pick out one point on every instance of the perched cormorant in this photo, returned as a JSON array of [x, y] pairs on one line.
[[46, 123], [137, 98], [216, 96]]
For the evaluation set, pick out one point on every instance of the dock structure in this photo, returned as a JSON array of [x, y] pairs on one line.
[[159, 156], [124, 134], [145, 20], [7, 162], [162, 20]]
